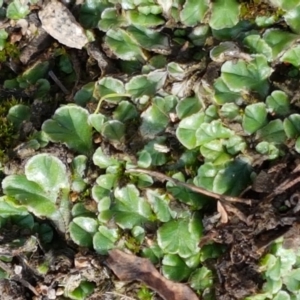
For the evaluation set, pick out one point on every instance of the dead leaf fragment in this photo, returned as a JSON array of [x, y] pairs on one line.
[[59, 22], [129, 267], [223, 213]]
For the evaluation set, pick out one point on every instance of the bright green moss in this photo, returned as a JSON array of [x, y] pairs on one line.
[[9, 51], [7, 130]]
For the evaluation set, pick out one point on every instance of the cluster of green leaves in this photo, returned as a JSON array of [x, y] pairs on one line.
[[123, 213], [282, 274], [226, 119], [32, 77], [16, 9]]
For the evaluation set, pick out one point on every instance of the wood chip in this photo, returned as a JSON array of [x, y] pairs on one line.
[[129, 267], [59, 22]]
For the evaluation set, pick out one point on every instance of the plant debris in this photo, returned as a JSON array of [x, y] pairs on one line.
[[129, 267]]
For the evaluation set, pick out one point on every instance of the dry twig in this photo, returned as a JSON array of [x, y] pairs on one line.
[[162, 177]]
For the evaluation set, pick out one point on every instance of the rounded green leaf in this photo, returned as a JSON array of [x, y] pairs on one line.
[[292, 280], [223, 51], [257, 45], [201, 279], [154, 121], [125, 111], [144, 159], [292, 19], [107, 181], [90, 12], [82, 230], [157, 151], [19, 113], [123, 45], [81, 292], [44, 190], [233, 33], [255, 117], [8, 208], [144, 180], [128, 202], [111, 19], [214, 151], [273, 132], [85, 94], [140, 85], [34, 73], [273, 272], [104, 239], [3, 37], [235, 144], [138, 233], [282, 295], [65, 64], [271, 287], [233, 179], [267, 149], [287, 5], [150, 39], [187, 128], [176, 71], [230, 111], [97, 121], [223, 94], [297, 145], [279, 40], [48, 171], [113, 130], [104, 161], [110, 85], [291, 125], [43, 88], [154, 253], [174, 268], [146, 85], [278, 103], [199, 35], [29, 194], [225, 14], [211, 131], [265, 21], [159, 204], [292, 56], [187, 107], [246, 76], [128, 209], [150, 9], [144, 20], [193, 12], [69, 125], [179, 237], [17, 9], [206, 175]]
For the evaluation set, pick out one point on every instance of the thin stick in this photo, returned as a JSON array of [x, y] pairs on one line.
[[162, 177], [58, 82], [285, 186]]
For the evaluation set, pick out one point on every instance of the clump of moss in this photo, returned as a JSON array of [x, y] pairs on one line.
[[253, 8], [9, 51], [7, 130]]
